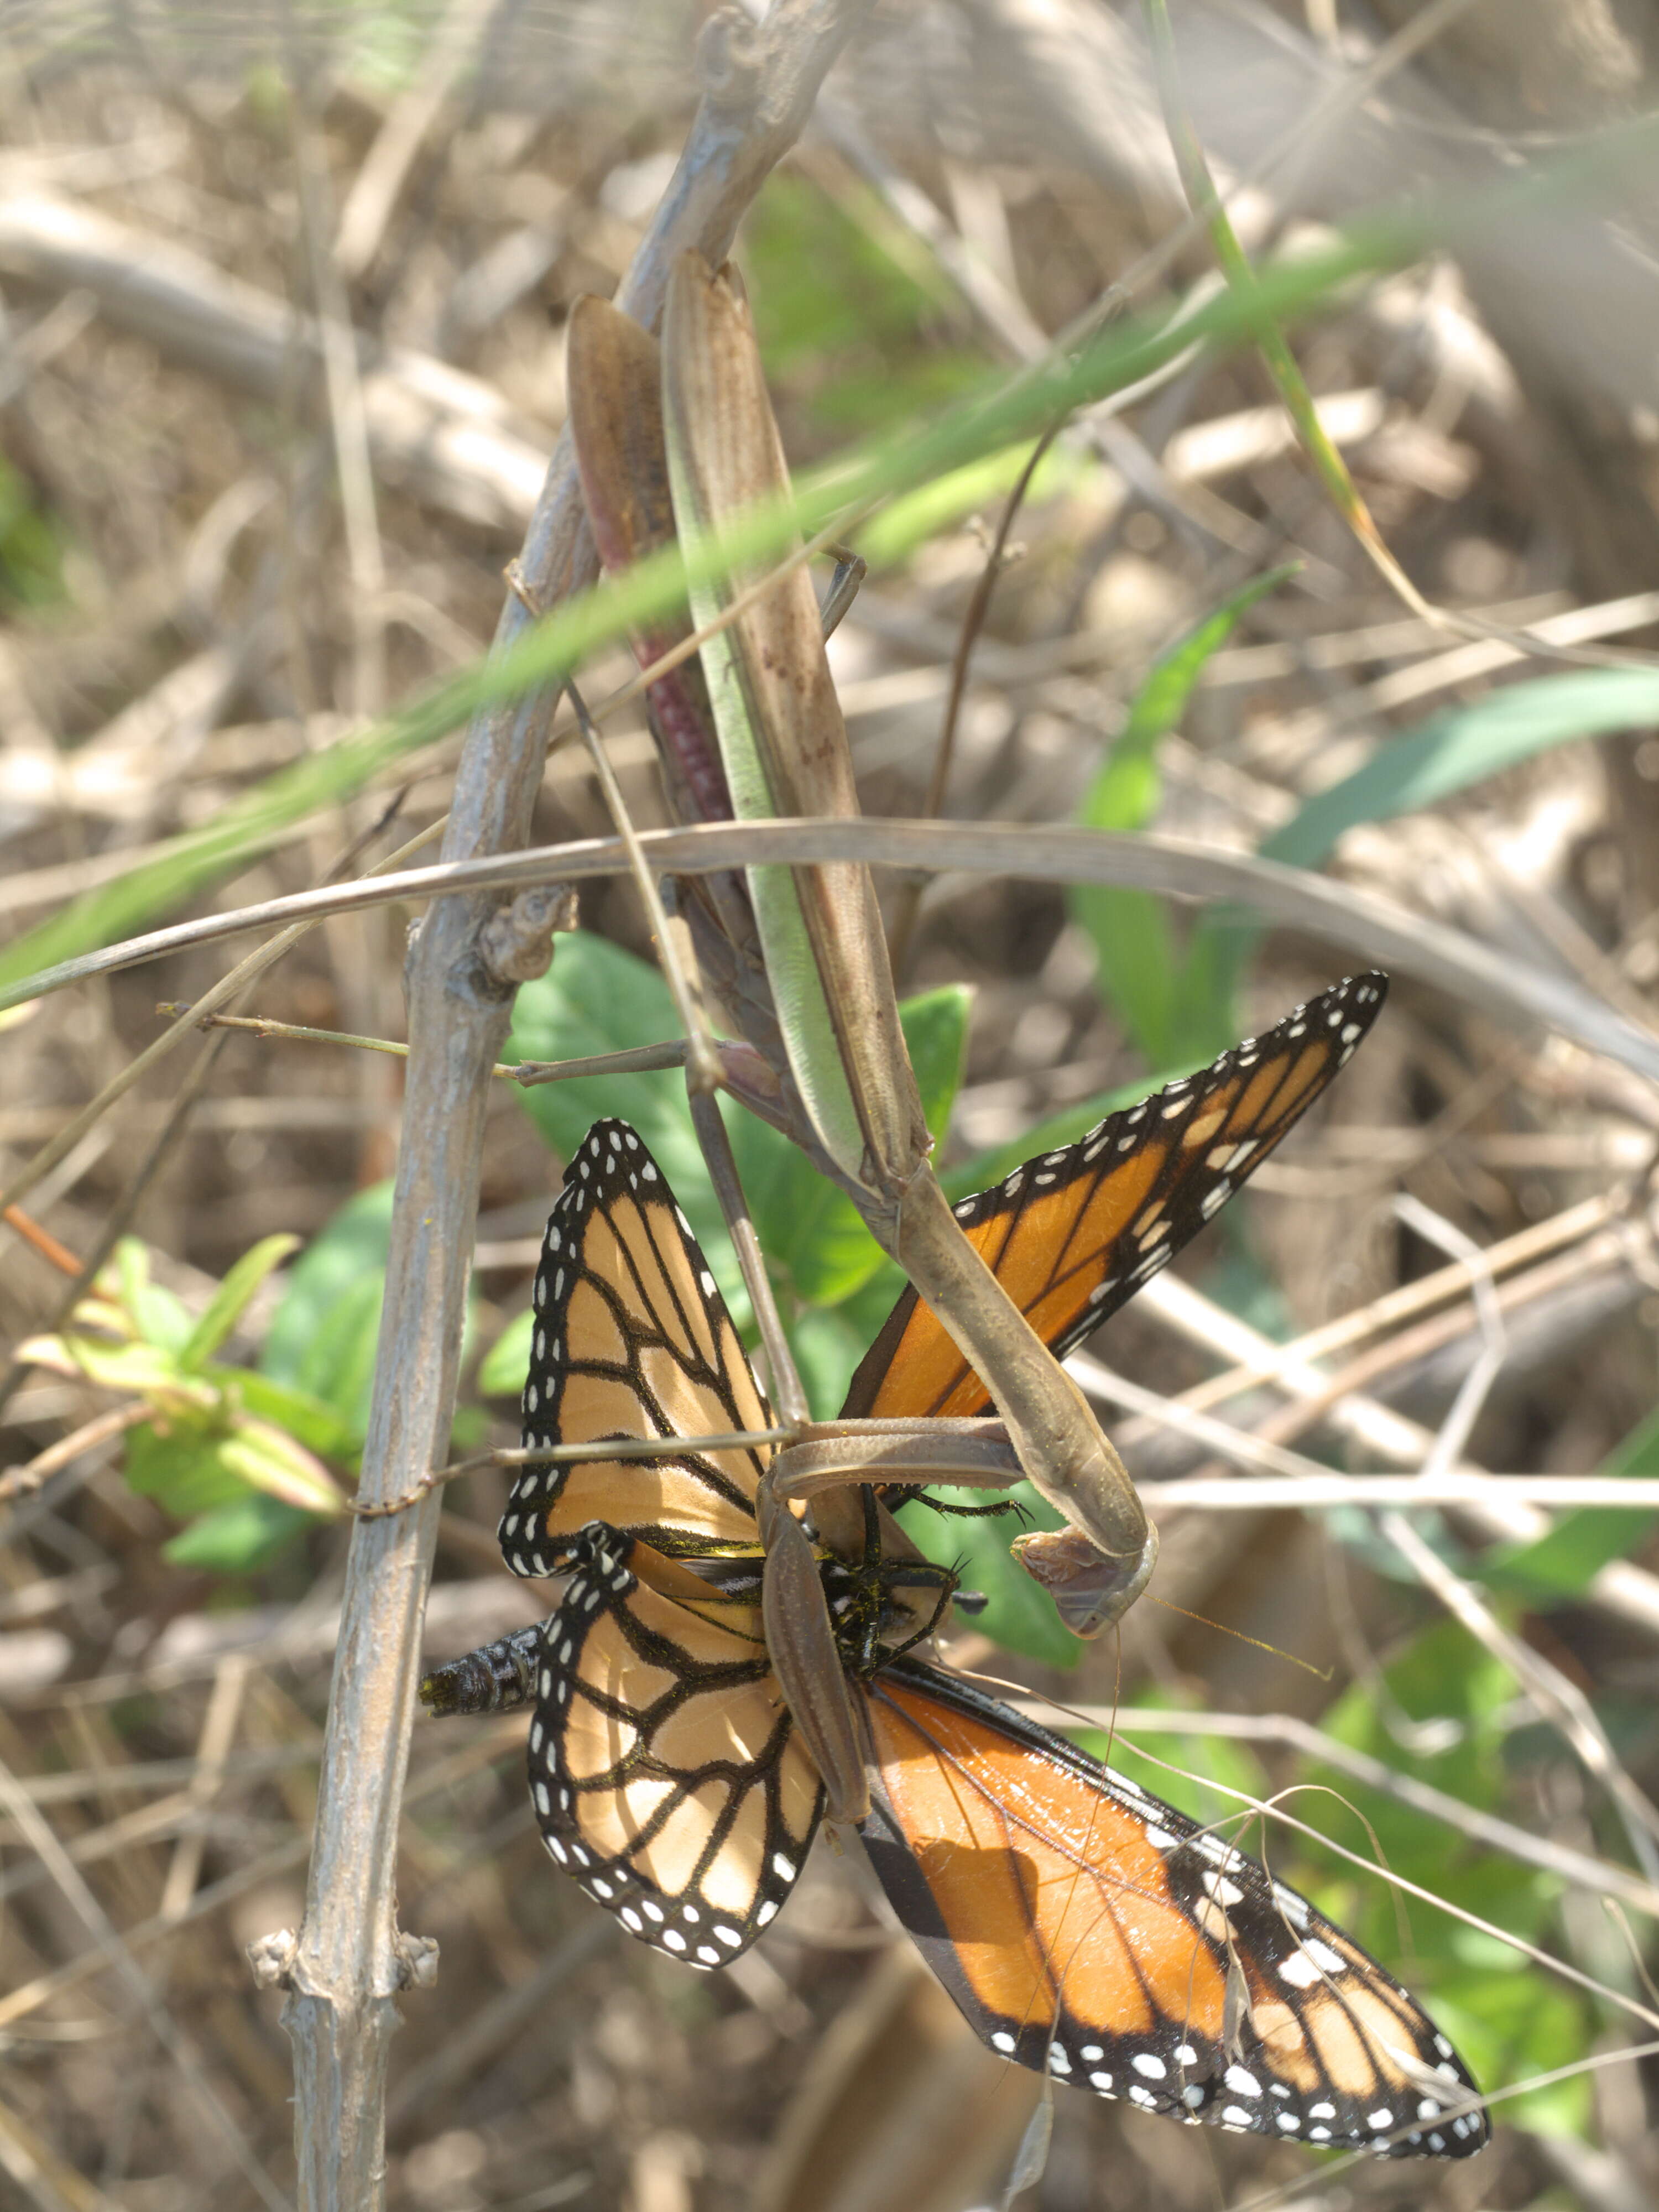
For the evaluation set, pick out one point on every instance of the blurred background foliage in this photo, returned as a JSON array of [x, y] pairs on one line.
[[1183, 638]]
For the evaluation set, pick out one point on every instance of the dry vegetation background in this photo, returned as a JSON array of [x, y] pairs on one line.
[[219, 549]]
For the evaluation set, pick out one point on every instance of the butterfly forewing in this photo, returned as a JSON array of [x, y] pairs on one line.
[[1091, 1932], [1073, 1234], [631, 1339], [666, 1771]]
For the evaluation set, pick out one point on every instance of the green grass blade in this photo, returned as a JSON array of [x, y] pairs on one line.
[[1139, 963], [1464, 746], [1558, 1566], [1438, 760]]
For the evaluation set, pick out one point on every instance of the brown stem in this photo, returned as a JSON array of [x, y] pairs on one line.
[[350, 1962]]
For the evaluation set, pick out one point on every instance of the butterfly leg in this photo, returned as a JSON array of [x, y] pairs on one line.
[[912, 1493], [873, 1605]]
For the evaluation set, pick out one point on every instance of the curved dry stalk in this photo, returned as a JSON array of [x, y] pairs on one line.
[[1358, 921], [819, 1456], [1321, 1491], [973, 622]]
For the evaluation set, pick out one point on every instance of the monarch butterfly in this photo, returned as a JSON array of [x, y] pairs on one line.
[[632, 1338], [1083, 1927]]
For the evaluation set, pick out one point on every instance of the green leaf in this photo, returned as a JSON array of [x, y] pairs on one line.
[[229, 1302], [598, 998], [815, 1243], [1219, 944], [194, 1461], [1138, 962], [1557, 1566], [1020, 1614], [1139, 965], [320, 1427], [1509, 2020], [322, 1341], [143, 1368], [181, 1469], [246, 1533], [1447, 1682], [1466, 746], [829, 1341], [159, 1317], [266, 1459], [1162, 699], [503, 1367]]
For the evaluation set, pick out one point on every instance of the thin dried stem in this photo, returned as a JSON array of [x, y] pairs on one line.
[[674, 952], [973, 621], [1319, 1491], [1369, 928], [18, 1481], [637, 1060], [55, 1254], [1390, 1307], [111, 1944], [348, 421], [223, 993], [1629, 1592]]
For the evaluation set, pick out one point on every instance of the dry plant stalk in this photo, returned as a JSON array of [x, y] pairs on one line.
[[1354, 920], [348, 1962]]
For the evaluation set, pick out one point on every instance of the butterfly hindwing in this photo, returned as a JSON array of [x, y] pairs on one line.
[[1073, 1234], [667, 1774], [1091, 1932], [631, 1339]]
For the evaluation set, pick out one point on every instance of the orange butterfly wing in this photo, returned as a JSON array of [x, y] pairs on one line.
[[1090, 1931], [1073, 1234], [632, 1339], [665, 1770]]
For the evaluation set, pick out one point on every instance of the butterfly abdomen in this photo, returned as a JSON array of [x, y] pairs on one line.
[[493, 1679]]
